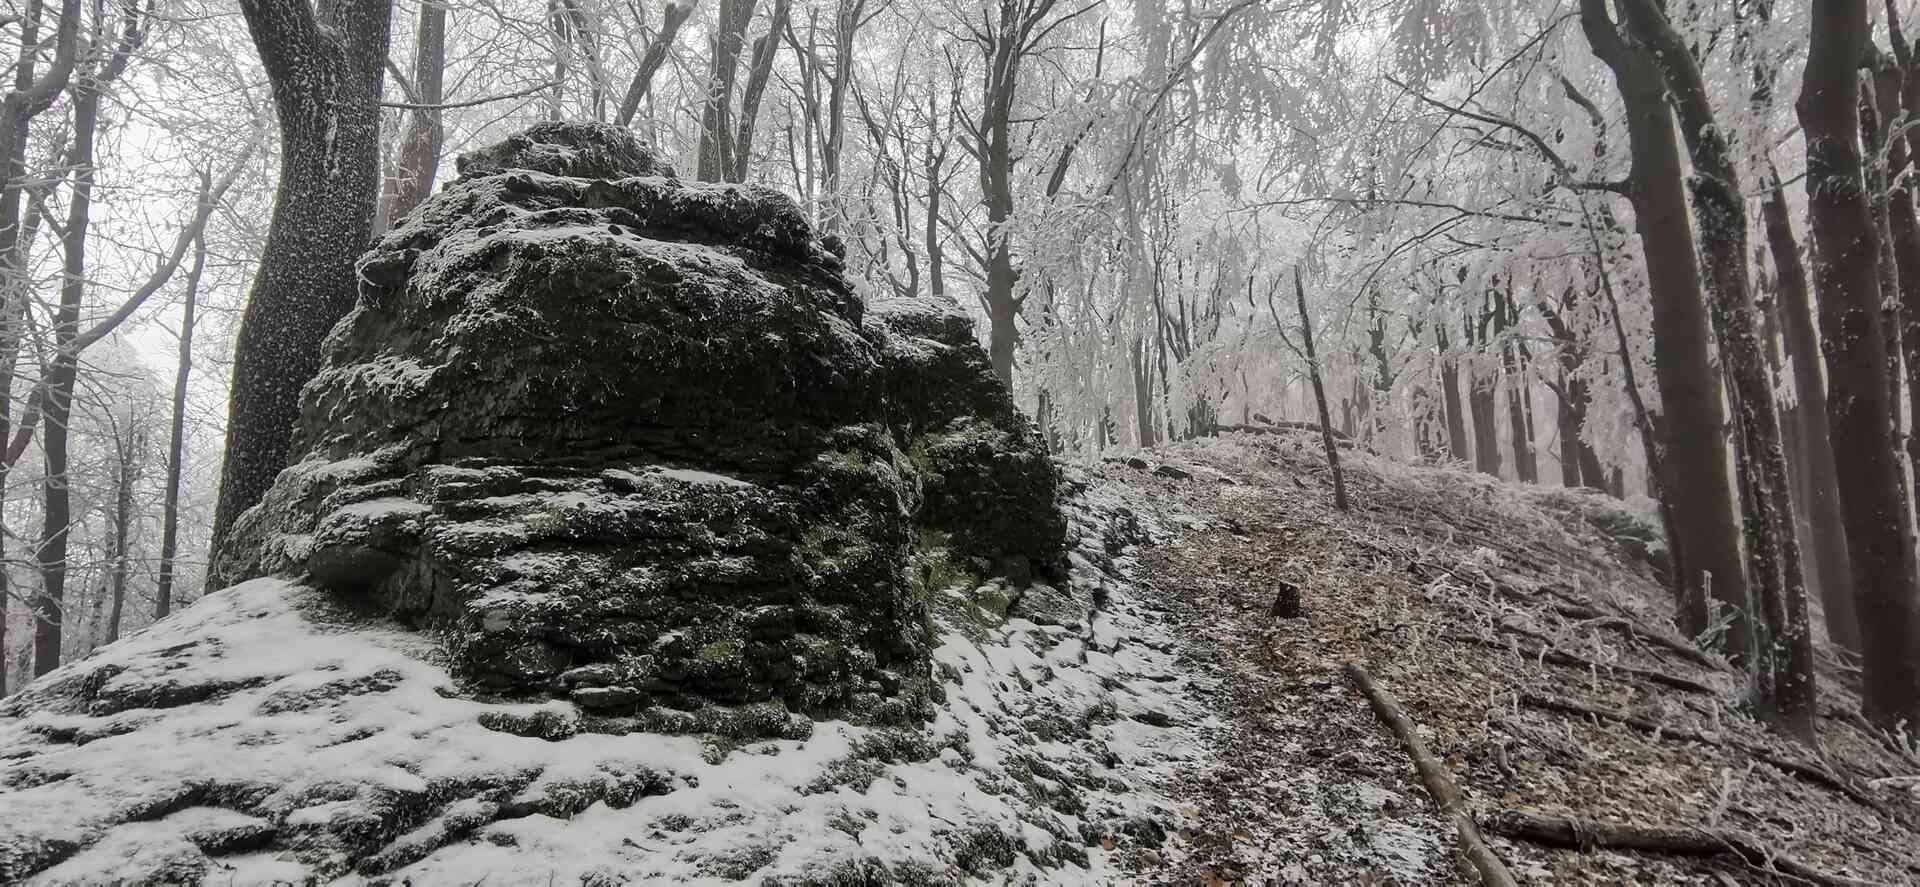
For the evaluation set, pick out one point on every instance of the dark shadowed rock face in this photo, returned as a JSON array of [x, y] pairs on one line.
[[635, 441]]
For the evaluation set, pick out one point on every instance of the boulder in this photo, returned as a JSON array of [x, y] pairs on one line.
[[638, 442]]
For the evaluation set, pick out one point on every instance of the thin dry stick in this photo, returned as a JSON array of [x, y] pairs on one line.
[[1434, 775]]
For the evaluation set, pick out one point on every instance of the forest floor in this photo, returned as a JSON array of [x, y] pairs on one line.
[[1154, 721], [1495, 613]]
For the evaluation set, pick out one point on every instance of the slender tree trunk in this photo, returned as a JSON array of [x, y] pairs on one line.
[[176, 436], [1846, 253], [57, 511], [127, 473], [1450, 382], [759, 71], [1576, 398], [1524, 464], [327, 79], [420, 140], [1694, 458], [1319, 395], [1003, 55], [671, 18], [1874, 141], [33, 91], [1825, 519]]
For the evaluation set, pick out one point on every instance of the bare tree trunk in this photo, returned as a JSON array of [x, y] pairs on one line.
[[1450, 382], [1319, 395], [715, 158], [1846, 253], [327, 77], [420, 140], [1524, 464], [61, 376], [127, 443], [1143, 393], [176, 436], [674, 15], [1897, 91], [1785, 667], [1694, 456], [32, 92], [1825, 520], [1482, 401], [1575, 399], [759, 70], [1569, 432]]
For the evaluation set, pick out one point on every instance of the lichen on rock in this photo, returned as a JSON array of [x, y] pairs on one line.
[[637, 442]]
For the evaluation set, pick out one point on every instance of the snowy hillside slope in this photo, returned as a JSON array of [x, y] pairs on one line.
[[1180, 733]]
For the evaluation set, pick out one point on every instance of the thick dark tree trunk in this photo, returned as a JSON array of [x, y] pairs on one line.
[[1143, 393], [1694, 458], [1897, 91], [1569, 434], [1786, 668], [1482, 402], [716, 112], [1859, 409], [326, 80]]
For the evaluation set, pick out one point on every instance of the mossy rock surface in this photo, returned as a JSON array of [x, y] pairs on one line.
[[636, 442]]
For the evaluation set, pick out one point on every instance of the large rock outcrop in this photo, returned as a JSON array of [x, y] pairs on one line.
[[622, 543], [637, 441]]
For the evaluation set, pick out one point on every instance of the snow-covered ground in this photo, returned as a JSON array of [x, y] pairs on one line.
[[265, 735]]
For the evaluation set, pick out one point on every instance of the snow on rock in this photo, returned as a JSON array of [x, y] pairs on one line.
[[621, 540], [635, 442], [269, 733]]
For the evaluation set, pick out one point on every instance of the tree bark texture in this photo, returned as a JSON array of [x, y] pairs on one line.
[[1846, 257]]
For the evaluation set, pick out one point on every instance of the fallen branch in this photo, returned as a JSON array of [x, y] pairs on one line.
[[1819, 776], [1571, 661], [1587, 834], [1434, 775]]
